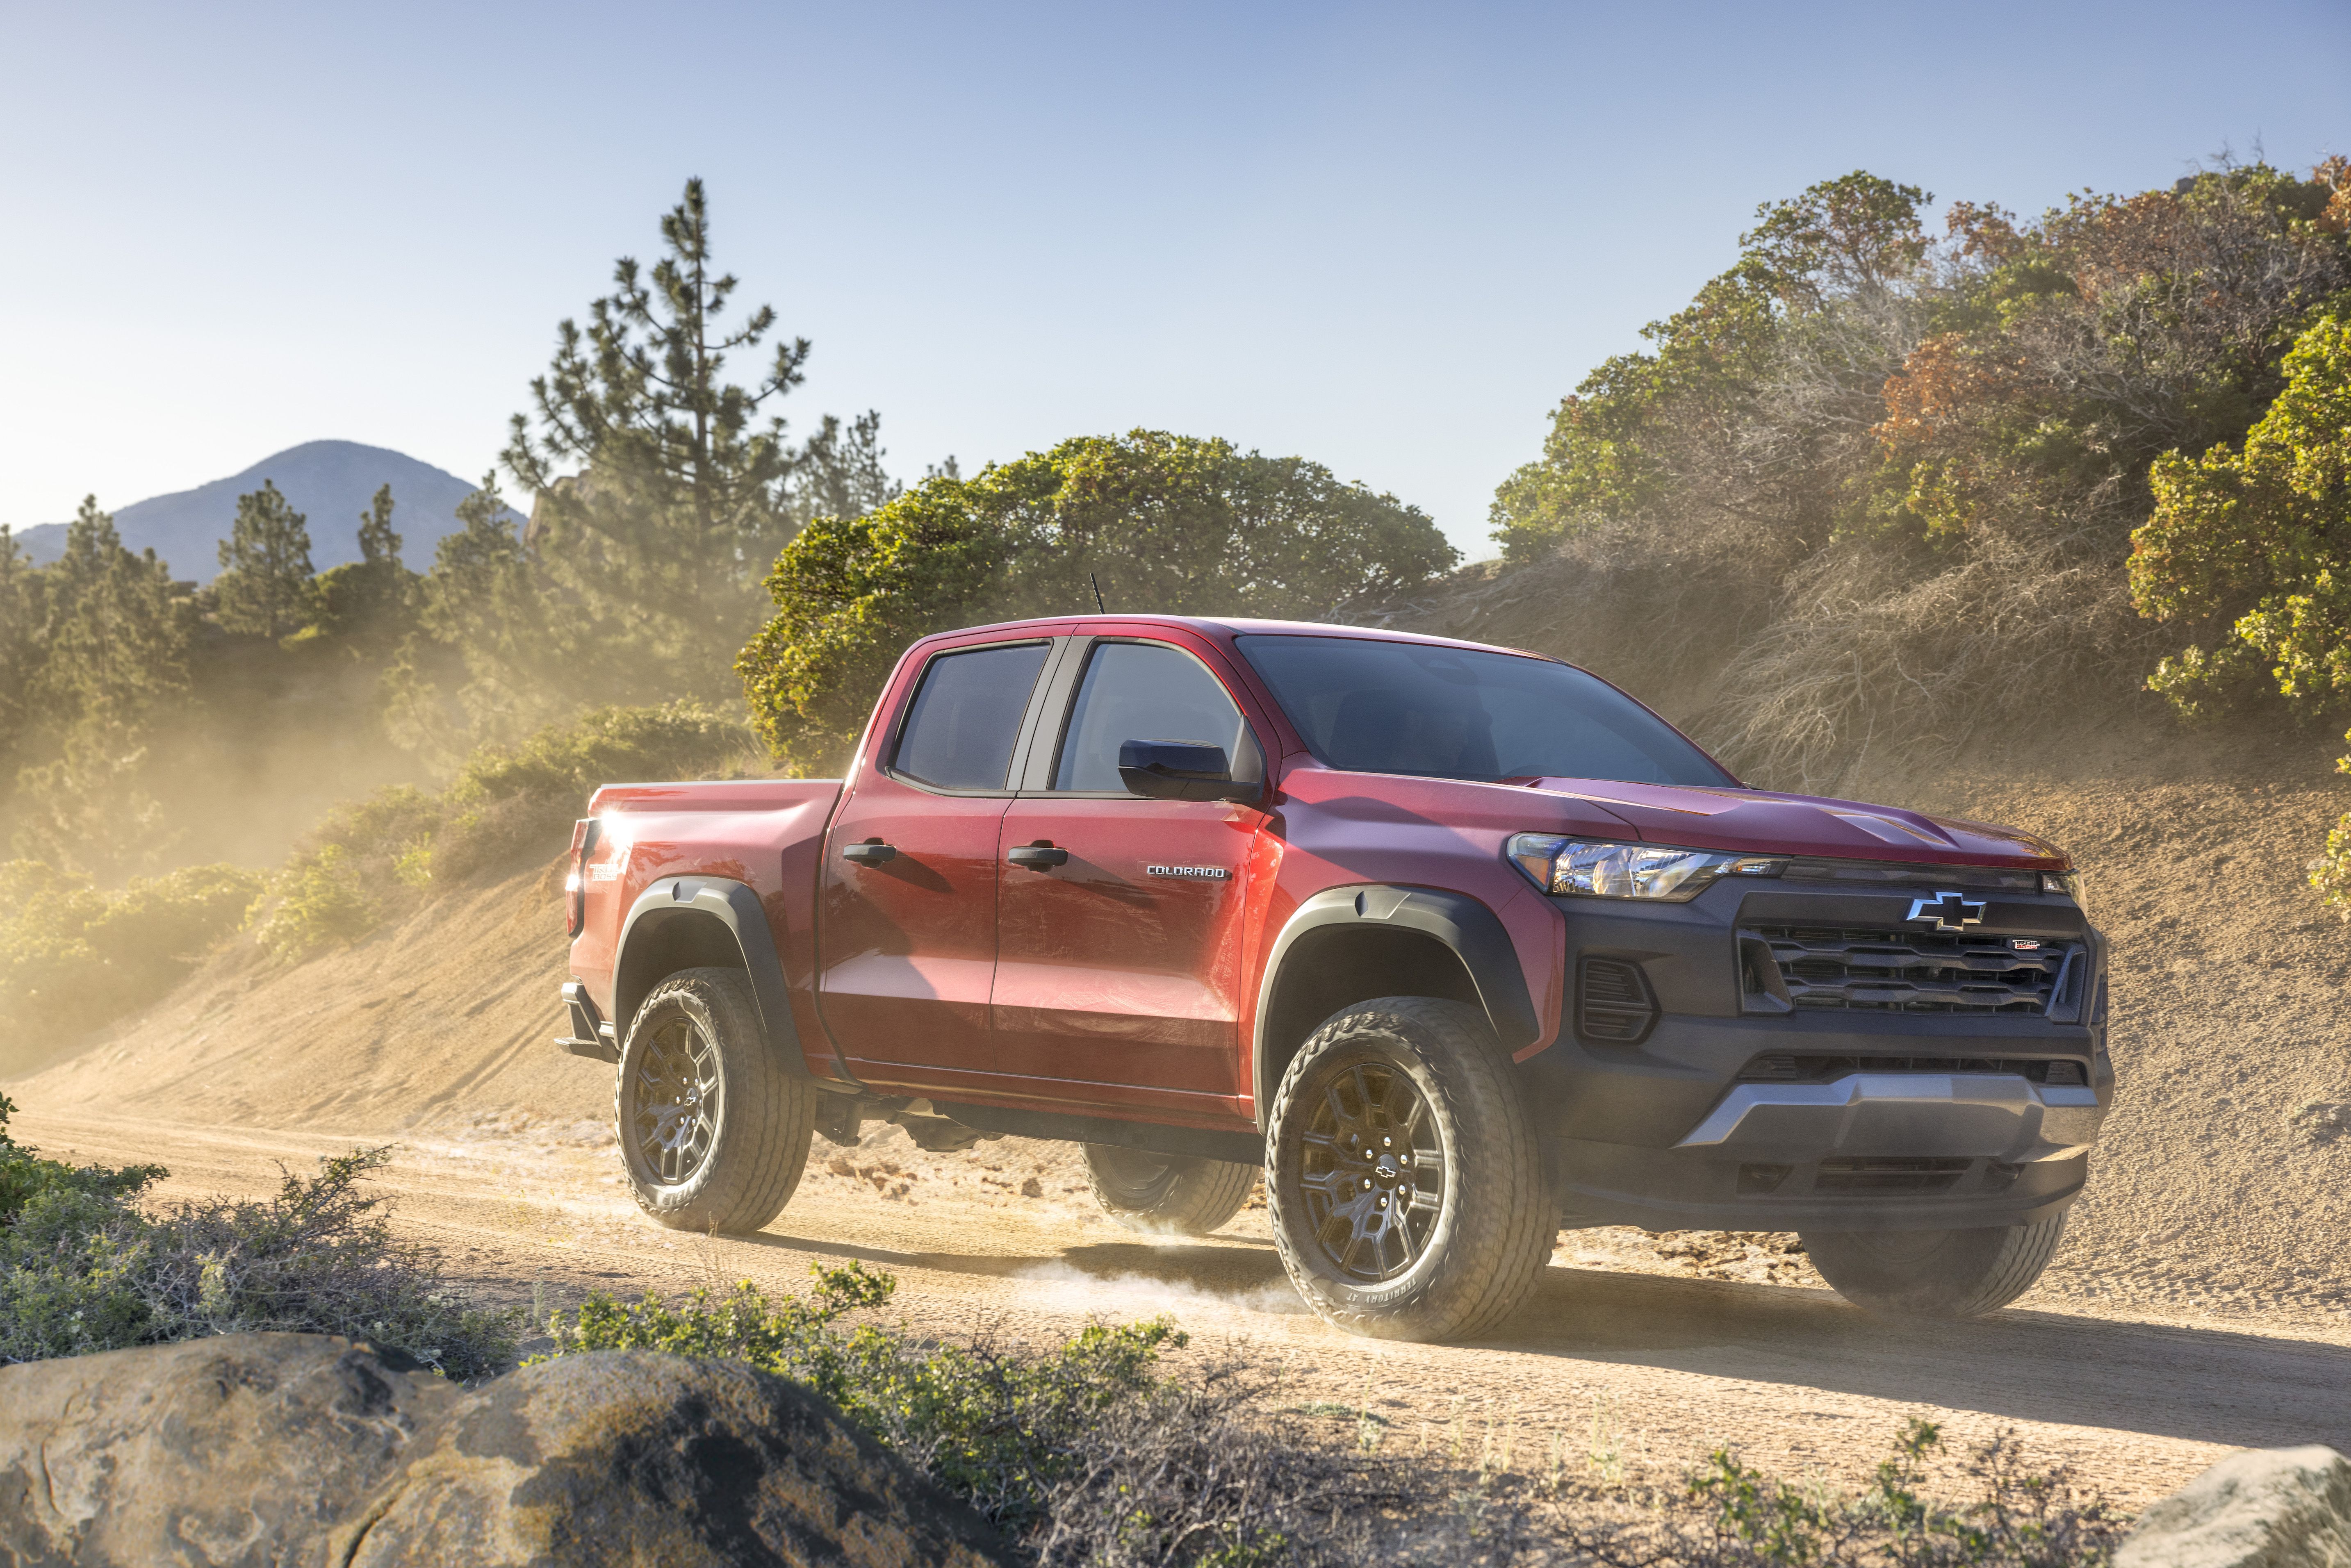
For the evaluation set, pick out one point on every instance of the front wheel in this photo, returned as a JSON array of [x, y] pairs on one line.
[[1933, 1273], [1166, 1194], [715, 1131], [1404, 1179]]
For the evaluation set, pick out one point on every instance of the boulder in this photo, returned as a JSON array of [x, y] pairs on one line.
[[2266, 1507], [303, 1448]]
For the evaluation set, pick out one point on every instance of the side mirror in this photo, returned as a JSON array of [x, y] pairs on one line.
[[1180, 771]]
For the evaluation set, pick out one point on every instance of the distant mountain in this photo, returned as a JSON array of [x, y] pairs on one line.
[[329, 482]]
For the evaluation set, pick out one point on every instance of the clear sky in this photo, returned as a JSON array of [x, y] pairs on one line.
[[1385, 237]]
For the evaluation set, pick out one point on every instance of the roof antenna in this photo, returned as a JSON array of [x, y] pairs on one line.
[[1097, 582]]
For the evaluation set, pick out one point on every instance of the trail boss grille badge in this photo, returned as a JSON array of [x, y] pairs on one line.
[[1197, 872], [1949, 911]]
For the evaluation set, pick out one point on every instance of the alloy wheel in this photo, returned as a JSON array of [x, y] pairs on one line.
[[675, 1102], [1372, 1175]]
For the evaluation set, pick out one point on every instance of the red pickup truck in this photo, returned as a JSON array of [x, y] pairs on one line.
[[1459, 945]]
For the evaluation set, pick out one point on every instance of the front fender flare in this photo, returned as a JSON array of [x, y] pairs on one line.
[[1473, 932], [736, 908]]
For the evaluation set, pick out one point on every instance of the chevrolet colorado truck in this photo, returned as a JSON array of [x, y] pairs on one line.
[[1457, 946]]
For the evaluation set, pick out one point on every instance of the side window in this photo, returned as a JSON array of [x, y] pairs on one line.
[[1141, 691], [966, 717]]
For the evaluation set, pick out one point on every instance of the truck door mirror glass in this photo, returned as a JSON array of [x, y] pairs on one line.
[[1179, 770], [1150, 690], [965, 717]]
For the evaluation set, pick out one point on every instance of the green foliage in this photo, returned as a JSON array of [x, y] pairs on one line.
[[264, 589], [104, 648], [1168, 523], [366, 608], [321, 899], [1631, 435], [2258, 541], [645, 558], [73, 957], [2020, 1519], [507, 807], [82, 1268], [999, 1430]]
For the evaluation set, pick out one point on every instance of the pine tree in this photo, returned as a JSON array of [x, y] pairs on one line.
[[653, 549], [367, 606], [265, 587], [116, 632]]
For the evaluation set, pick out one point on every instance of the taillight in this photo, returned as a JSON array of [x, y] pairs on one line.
[[575, 885]]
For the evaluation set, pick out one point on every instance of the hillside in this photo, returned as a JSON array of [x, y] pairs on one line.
[[329, 482]]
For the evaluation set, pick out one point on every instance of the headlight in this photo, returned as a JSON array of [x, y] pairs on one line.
[[1630, 871], [2068, 883]]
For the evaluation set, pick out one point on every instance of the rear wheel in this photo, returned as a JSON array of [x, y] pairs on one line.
[[1405, 1178], [1177, 1195], [1933, 1273], [713, 1130]]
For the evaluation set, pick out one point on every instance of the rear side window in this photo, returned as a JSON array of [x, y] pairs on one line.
[[966, 717], [1141, 691]]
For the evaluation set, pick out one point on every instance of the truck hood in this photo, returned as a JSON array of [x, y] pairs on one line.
[[1758, 821]]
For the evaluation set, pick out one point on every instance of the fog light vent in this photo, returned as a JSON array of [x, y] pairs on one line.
[[1612, 1001], [2065, 1073]]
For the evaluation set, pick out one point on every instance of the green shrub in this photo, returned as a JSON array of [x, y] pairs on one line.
[[82, 1268], [999, 1430], [321, 900], [73, 957], [508, 806]]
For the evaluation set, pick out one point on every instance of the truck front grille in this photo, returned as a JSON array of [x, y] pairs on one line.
[[1915, 971]]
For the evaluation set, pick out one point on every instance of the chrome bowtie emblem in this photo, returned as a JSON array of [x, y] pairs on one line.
[[1949, 911]]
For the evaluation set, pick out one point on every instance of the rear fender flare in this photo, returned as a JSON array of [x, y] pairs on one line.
[[733, 905], [1473, 934]]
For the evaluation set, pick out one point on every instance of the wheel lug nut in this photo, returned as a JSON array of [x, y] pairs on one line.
[[1387, 1143], [1383, 1202], [1367, 1183]]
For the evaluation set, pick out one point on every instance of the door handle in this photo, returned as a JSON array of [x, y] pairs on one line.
[[871, 852], [1037, 857]]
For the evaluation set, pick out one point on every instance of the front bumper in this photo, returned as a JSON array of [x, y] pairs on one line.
[[1895, 1118]]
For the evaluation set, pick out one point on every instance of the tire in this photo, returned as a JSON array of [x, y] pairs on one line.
[[1430, 1073], [1166, 1194], [1933, 1273], [713, 1130]]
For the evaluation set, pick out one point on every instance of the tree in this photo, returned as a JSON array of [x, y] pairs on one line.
[[265, 585], [838, 473], [368, 605], [2258, 540], [483, 612], [1168, 524], [654, 547], [116, 635]]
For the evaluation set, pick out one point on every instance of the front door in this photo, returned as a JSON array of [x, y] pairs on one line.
[[1118, 977], [909, 886]]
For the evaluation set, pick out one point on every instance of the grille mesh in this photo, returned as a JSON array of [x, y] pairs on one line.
[[1913, 971]]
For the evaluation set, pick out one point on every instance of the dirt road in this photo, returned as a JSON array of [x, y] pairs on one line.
[[1621, 1350]]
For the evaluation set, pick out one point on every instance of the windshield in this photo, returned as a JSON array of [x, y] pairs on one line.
[[1452, 713]]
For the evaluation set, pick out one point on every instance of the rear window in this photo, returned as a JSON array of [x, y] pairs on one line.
[[965, 717], [1454, 713]]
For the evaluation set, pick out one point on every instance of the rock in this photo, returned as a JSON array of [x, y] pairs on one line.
[[210, 1451], [302, 1449], [2266, 1508]]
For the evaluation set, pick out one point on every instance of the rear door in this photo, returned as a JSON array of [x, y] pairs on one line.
[[1118, 977], [907, 925]]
